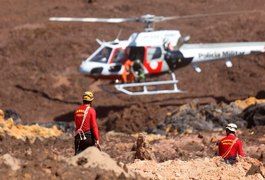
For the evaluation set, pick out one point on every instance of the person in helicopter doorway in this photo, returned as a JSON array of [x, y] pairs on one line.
[[230, 146], [127, 75], [87, 133], [137, 69]]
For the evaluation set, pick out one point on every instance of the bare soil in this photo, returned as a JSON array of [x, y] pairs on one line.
[[40, 59], [39, 62]]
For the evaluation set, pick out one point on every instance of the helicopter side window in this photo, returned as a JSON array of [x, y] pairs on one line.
[[102, 56], [154, 53], [119, 56]]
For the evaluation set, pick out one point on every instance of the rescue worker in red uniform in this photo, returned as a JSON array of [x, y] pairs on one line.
[[87, 133], [230, 146]]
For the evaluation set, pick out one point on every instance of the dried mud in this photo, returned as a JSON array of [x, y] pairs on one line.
[[41, 83]]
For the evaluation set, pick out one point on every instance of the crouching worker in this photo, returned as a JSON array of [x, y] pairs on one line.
[[230, 146], [137, 69], [86, 124]]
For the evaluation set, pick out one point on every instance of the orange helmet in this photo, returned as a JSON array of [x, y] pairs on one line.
[[88, 96]]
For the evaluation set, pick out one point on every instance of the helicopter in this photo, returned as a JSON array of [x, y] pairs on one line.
[[158, 51]]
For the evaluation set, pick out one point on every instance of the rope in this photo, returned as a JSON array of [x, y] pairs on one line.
[[229, 149], [80, 131]]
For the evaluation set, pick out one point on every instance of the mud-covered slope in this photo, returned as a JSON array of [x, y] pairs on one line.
[[40, 59]]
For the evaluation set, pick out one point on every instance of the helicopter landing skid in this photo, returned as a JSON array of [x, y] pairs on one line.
[[144, 87]]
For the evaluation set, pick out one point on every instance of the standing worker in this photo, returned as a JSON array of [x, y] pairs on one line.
[[127, 75], [86, 124], [230, 146]]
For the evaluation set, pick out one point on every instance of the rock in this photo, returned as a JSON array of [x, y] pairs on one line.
[[254, 115], [143, 149], [92, 157], [10, 113], [10, 161], [256, 168]]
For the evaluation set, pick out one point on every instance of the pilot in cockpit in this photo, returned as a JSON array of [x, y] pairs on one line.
[[105, 54]]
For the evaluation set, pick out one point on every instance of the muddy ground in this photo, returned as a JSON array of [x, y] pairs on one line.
[[40, 79], [166, 157], [40, 59]]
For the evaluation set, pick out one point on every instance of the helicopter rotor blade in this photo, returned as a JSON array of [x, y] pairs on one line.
[[206, 15], [147, 19], [103, 20]]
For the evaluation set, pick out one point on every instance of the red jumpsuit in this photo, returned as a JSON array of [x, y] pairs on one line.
[[225, 144], [90, 121], [89, 128]]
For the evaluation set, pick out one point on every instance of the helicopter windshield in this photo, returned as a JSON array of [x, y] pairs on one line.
[[102, 56]]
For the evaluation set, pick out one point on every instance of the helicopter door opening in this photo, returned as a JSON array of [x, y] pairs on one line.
[[136, 53], [153, 63]]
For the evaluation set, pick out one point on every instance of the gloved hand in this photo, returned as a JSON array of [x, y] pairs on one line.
[[98, 145]]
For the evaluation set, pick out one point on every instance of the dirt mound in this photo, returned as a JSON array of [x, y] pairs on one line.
[[92, 157], [206, 168], [243, 104], [30, 132], [40, 59], [133, 118], [191, 117], [53, 157], [40, 82]]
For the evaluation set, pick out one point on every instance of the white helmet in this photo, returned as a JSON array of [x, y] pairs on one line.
[[231, 127]]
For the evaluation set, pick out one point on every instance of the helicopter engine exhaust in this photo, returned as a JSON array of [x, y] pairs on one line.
[[176, 60]]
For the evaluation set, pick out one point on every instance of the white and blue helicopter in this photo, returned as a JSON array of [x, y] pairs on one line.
[[159, 51]]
